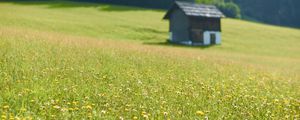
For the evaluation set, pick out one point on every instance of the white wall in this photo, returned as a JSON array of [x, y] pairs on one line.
[[207, 37], [171, 36]]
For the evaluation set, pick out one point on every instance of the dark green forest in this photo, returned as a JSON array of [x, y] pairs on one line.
[[278, 12]]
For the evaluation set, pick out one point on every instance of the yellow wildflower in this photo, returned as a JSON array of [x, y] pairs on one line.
[[56, 107], [101, 94], [11, 117], [143, 113], [286, 101], [22, 109], [200, 113], [5, 107], [135, 117], [75, 103], [145, 116], [3, 117], [90, 115], [89, 107]]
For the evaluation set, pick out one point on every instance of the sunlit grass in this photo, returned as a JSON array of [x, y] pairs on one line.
[[86, 62]]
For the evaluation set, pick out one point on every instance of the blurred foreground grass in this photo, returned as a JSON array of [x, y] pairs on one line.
[[89, 61]]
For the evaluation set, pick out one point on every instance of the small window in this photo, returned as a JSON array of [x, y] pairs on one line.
[[212, 38]]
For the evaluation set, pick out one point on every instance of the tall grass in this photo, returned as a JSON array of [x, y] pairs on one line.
[[87, 62]]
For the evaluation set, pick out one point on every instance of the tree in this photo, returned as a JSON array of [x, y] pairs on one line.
[[230, 9]]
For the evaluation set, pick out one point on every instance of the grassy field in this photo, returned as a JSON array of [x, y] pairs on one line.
[[92, 61]]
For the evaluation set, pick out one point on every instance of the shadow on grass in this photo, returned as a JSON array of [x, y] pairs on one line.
[[167, 43], [143, 29], [73, 4]]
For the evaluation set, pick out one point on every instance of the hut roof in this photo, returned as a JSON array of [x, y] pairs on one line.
[[196, 10]]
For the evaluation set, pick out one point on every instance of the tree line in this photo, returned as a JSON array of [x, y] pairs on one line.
[[278, 12]]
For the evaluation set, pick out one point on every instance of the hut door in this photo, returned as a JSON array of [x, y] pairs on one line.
[[212, 38], [197, 35]]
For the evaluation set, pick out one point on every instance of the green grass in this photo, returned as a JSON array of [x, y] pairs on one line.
[[91, 61]]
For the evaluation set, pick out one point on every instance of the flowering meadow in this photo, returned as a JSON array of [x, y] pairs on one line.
[[86, 61]]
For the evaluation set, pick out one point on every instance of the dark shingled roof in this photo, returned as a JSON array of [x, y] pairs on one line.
[[196, 10]]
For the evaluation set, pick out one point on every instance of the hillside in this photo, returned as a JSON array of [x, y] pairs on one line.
[[276, 12], [70, 60]]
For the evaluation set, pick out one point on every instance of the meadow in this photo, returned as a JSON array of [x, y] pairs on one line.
[[68, 60]]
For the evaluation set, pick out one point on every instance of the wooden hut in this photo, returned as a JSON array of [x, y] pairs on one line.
[[194, 24]]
